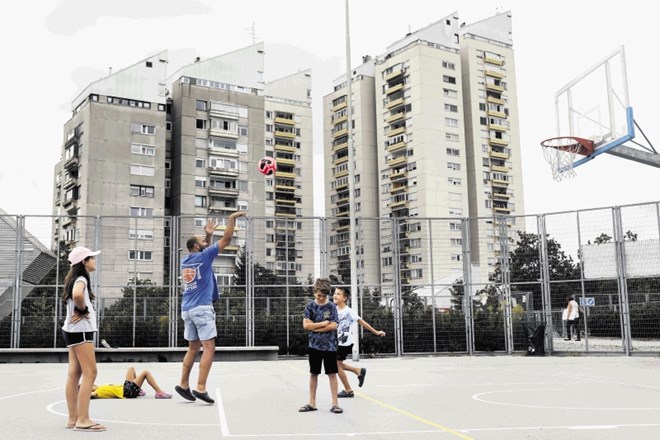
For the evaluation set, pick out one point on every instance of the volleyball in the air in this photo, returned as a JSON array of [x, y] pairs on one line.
[[267, 166]]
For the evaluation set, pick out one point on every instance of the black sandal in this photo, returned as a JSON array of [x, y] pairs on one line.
[[306, 408], [335, 409]]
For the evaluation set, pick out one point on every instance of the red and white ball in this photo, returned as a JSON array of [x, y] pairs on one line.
[[267, 166]]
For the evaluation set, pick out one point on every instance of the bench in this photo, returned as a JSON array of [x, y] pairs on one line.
[[136, 354]]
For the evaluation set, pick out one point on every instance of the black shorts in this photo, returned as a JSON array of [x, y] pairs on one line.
[[131, 390], [327, 358], [343, 351], [77, 338]]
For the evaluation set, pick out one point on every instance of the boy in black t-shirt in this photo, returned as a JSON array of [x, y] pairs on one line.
[[320, 321]]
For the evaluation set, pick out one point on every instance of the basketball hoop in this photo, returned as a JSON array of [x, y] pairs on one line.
[[560, 153]]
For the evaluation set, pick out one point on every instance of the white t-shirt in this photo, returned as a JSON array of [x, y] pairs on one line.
[[564, 314], [575, 311], [84, 325], [347, 317]]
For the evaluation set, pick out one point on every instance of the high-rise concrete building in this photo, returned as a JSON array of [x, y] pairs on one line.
[[436, 115], [109, 183], [143, 145]]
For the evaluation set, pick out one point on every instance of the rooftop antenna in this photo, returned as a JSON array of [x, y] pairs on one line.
[[252, 32]]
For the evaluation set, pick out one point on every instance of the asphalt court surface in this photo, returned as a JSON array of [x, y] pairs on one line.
[[417, 398]]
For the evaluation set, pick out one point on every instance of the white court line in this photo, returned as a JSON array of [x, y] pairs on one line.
[[50, 409], [338, 434], [30, 392], [567, 427], [478, 398], [221, 413]]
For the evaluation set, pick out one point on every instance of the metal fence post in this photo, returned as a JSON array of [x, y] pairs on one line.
[[396, 279], [506, 284], [18, 281], [467, 286], [546, 304], [619, 246]]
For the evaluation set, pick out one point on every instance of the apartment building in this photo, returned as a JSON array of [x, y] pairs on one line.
[[446, 146], [109, 184], [154, 155]]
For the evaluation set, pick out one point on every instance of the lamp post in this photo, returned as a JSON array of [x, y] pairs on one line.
[[351, 181]]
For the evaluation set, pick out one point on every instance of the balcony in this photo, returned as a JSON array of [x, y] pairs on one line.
[[284, 121], [280, 187], [495, 61], [223, 133], [501, 209], [228, 172], [339, 147], [340, 133], [494, 87], [340, 106], [285, 161], [496, 114], [493, 100], [499, 168], [498, 141], [500, 183], [398, 188], [223, 191], [396, 131], [395, 117], [394, 103], [394, 74], [393, 89], [493, 73], [285, 148], [396, 175], [396, 147], [285, 175], [285, 134], [498, 155], [397, 161]]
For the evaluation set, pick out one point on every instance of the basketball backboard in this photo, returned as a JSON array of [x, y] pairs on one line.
[[595, 106]]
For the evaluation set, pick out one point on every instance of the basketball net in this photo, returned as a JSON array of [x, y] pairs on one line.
[[560, 154]]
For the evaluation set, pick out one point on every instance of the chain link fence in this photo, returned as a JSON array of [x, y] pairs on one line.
[[435, 285]]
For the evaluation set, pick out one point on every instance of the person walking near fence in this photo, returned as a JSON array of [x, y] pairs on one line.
[[78, 333], [320, 320], [347, 317], [199, 294], [573, 319]]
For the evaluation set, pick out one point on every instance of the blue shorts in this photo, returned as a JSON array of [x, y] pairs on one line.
[[199, 323]]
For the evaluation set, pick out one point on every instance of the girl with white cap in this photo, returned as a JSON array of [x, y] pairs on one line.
[[78, 332]]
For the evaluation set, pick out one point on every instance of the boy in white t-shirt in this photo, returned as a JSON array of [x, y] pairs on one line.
[[347, 317]]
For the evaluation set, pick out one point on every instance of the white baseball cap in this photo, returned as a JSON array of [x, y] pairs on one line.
[[79, 253]]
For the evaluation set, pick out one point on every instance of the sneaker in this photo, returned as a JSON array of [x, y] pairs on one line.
[[567, 339], [345, 393], [185, 393], [142, 392], [363, 372], [163, 395]]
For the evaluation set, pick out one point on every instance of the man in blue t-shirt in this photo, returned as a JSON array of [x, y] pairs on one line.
[[320, 320], [199, 292]]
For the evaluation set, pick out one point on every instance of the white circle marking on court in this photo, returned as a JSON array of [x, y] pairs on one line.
[[478, 397]]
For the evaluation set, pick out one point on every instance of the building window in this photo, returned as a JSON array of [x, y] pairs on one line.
[[142, 170], [200, 163], [140, 255], [454, 166], [137, 211], [200, 201], [200, 182], [201, 124], [449, 79], [448, 65], [136, 127], [453, 152], [141, 234], [146, 150], [142, 191], [201, 105]]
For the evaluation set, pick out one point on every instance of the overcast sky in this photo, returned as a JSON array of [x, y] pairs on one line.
[[52, 50]]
